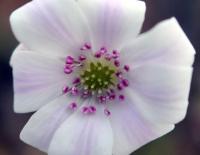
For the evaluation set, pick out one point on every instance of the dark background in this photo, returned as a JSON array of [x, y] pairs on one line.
[[184, 140]]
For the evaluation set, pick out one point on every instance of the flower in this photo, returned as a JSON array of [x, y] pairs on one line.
[[98, 87]]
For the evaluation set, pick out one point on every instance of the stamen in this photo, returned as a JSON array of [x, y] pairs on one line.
[[119, 74], [125, 82], [107, 112], [126, 68], [86, 46], [73, 106], [69, 60], [102, 99], [115, 54], [88, 110], [112, 97], [74, 91], [66, 89], [86, 94], [103, 50], [77, 80], [119, 86], [68, 69], [92, 109], [82, 57], [121, 97], [117, 63], [100, 79], [98, 54], [108, 57], [85, 110]]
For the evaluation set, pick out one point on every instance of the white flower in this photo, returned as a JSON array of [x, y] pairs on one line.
[[98, 88]]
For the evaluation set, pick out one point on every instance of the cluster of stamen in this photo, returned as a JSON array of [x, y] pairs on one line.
[[100, 78]]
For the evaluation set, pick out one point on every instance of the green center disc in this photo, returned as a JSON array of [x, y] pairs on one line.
[[98, 76]]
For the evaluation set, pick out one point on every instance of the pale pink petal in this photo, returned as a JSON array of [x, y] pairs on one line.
[[41, 127], [166, 43], [113, 22], [131, 130], [83, 135], [156, 100], [38, 79], [51, 27], [162, 90]]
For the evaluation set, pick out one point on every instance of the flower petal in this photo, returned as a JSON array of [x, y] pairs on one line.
[[166, 43], [83, 135], [50, 26], [156, 100], [163, 91], [113, 22], [38, 79], [131, 130], [41, 127]]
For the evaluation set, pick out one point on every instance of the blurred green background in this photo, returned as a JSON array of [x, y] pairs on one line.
[[184, 140]]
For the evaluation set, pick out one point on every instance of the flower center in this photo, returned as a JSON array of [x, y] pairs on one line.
[[99, 76]]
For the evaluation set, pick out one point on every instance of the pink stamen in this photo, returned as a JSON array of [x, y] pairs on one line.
[[102, 99], [112, 97], [117, 63], [69, 60], [74, 91], [85, 110], [68, 69], [89, 110], [115, 54], [125, 82], [86, 94], [92, 109], [80, 89], [119, 74], [98, 54], [107, 112], [86, 46], [119, 86], [121, 97], [108, 57], [103, 50], [82, 57], [66, 89], [77, 80], [126, 68], [73, 106]]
